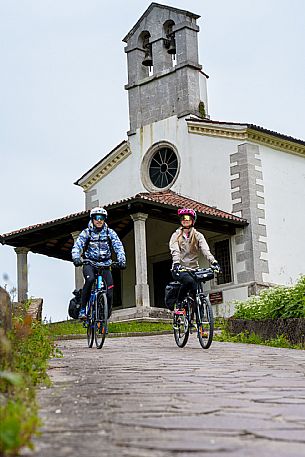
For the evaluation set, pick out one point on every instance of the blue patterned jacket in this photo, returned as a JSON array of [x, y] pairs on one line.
[[97, 244]]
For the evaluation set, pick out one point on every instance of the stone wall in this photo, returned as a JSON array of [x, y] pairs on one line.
[[293, 329], [5, 310]]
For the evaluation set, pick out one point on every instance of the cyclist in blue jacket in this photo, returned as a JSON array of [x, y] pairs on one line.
[[94, 243]]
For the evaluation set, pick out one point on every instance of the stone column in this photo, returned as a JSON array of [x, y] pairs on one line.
[[22, 273], [79, 278], [141, 287]]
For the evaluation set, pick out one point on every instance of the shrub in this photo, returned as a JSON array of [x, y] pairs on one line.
[[24, 358], [273, 303]]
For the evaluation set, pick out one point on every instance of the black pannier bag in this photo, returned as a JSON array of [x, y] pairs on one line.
[[171, 294], [75, 304]]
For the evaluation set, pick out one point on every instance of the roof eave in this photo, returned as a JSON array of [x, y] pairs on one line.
[[77, 182], [147, 11]]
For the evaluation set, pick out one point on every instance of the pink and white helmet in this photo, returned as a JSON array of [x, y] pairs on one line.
[[189, 212]]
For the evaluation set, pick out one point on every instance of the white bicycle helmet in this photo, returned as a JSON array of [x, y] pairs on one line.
[[98, 210]]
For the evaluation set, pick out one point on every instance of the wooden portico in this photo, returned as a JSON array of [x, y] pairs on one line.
[[130, 218]]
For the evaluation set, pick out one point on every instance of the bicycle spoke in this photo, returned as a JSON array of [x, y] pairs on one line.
[[90, 329], [100, 325], [181, 328], [205, 323]]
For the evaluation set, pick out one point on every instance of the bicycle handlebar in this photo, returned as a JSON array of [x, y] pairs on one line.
[[114, 265], [194, 270], [199, 274]]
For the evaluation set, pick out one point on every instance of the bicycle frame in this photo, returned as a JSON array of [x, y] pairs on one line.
[[201, 307], [97, 311]]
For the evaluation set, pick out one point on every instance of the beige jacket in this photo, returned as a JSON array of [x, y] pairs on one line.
[[183, 255]]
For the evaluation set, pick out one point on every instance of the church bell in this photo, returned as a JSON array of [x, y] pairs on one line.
[[172, 45], [147, 61]]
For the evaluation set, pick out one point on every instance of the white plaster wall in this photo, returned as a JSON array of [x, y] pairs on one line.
[[284, 181], [205, 165], [205, 161], [122, 182], [227, 308], [205, 170]]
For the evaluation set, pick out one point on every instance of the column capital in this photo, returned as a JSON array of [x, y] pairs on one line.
[[75, 235], [139, 217], [22, 250]]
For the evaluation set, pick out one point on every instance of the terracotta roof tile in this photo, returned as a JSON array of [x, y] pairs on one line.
[[45, 224], [172, 198], [168, 198]]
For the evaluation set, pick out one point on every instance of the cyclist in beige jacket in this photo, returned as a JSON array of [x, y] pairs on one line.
[[185, 245]]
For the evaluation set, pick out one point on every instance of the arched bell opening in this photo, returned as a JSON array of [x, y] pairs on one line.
[[145, 44], [170, 41]]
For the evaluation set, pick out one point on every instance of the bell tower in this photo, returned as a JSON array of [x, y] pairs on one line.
[[164, 75]]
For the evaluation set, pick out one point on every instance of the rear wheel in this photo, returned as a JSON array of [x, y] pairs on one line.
[[181, 328], [90, 328], [100, 325], [205, 323]]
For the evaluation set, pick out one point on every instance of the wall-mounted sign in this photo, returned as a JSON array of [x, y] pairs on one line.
[[216, 298]]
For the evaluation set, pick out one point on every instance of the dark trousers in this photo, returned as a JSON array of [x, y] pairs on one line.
[[89, 272], [188, 283]]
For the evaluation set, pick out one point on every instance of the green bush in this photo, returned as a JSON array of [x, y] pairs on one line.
[[24, 359], [273, 303], [19, 420]]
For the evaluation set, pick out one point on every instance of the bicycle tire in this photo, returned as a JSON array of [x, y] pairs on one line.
[[181, 328], [100, 324], [205, 323], [90, 328]]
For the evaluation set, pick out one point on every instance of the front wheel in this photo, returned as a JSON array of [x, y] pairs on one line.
[[181, 327], [90, 328], [100, 325], [205, 323]]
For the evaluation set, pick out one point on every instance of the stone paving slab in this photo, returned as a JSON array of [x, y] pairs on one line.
[[145, 397]]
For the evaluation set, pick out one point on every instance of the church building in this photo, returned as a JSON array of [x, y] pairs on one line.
[[246, 183]]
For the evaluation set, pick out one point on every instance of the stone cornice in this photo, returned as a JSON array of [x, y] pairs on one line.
[[245, 133], [105, 167], [164, 73]]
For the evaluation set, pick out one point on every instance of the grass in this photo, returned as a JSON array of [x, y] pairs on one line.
[[252, 338], [74, 327]]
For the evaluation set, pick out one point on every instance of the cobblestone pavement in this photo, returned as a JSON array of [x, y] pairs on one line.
[[144, 397]]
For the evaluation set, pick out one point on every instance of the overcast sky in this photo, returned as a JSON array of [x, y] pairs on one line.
[[63, 105]]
